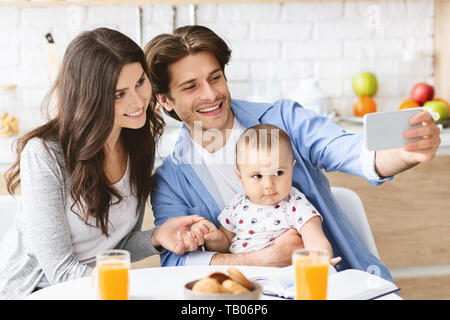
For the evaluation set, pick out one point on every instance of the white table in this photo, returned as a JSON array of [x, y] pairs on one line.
[[151, 283]]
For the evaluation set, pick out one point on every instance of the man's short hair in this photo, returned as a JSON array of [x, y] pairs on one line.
[[262, 137], [166, 49]]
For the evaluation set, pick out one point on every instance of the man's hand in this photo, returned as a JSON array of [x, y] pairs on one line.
[[393, 161], [280, 253], [425, 149]]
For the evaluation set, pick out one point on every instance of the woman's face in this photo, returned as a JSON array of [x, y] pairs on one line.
[[132, 97]]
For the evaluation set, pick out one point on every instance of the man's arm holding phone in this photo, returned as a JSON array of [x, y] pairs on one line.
[[393, 161]]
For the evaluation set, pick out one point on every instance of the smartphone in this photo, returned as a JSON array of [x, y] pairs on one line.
[[384, 130]]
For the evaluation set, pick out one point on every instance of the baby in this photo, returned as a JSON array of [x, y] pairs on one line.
[[270, 205]]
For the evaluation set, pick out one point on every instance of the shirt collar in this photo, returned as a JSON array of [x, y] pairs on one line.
[[249, 113]]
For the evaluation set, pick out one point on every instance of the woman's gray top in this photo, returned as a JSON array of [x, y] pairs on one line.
[[39, 244]]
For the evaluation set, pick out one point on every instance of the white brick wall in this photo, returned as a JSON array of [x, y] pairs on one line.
[[275, 44], [313, 50], [156, 20], [311, 11]]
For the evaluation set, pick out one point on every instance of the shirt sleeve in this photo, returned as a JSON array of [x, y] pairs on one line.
[[197, 258], [226, 218], [138, 242], [367, 160], [300, 210], [44, 209], [168, 201]]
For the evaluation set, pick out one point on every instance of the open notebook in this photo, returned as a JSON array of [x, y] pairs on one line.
[[349, 284]]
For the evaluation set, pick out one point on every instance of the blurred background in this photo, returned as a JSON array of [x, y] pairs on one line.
[[304, 50]]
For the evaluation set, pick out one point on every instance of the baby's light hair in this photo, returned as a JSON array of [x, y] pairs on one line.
[[262, 137]]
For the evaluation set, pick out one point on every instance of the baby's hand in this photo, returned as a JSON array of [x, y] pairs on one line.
[[205, 230], [335, 261], [186, 241]]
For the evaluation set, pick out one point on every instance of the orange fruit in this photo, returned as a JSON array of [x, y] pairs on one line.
[[408, 103], [363, 105], [444, 101]]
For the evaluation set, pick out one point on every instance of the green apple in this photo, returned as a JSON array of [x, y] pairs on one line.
[[365, 84], [438, 109]]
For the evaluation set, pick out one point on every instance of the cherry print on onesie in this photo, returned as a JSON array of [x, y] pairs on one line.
[[256, 226]]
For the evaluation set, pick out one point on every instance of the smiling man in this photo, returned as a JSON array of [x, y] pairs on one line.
[[198, 85], [187, 72]]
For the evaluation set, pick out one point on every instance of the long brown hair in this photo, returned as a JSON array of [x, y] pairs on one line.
[[166, 49], [83, 94]]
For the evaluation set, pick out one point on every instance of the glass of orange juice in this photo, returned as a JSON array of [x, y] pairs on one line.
[[110, 275], [311, 273]]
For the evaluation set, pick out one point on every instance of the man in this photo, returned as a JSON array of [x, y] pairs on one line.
[[188, 80]]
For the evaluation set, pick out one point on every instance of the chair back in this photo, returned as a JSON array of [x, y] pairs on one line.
[[353, 208]]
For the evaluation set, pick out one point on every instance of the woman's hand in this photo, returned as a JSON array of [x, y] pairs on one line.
[[175, 234]]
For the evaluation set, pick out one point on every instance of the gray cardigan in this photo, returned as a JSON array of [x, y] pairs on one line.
[[41, 219]]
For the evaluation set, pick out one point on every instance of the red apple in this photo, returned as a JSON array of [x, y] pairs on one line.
[[421, 93]]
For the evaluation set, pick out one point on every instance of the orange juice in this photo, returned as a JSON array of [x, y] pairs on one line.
[[311, 275], [113, 281]]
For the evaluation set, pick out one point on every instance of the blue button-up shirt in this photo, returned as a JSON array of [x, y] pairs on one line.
[[184, 185]]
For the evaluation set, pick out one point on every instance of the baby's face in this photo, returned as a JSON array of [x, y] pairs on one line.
[[268, 179]]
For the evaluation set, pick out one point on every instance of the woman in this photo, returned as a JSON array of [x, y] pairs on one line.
[[86, 174]]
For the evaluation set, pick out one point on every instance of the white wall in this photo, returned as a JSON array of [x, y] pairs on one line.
[[280, 42]]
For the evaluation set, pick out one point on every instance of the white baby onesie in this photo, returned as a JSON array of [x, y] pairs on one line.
[[256, 226]]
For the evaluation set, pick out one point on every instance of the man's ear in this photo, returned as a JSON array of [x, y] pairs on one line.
[[165, 101]]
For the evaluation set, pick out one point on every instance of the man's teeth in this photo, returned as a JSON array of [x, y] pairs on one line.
[[210, 109], [135, 114]]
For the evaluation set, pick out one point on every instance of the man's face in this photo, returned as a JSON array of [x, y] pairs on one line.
[[198, 91]]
